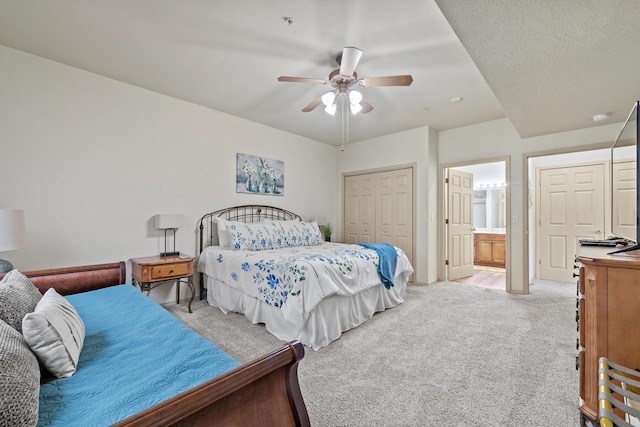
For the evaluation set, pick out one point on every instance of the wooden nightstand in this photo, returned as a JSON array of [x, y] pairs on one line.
[[150, 272]]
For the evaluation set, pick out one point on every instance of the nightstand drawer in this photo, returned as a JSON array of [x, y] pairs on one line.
[[168, 271]]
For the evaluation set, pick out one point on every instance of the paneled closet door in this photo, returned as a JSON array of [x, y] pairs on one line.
[[394, 209], [379, 208], [360, 211]]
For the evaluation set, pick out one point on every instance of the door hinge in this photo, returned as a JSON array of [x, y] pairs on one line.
[[446, 221], [446, 262], [446, 180]]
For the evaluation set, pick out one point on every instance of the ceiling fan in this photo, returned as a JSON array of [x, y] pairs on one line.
[[344, 80]]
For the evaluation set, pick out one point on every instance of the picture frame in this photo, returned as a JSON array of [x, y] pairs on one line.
[[259, 175]]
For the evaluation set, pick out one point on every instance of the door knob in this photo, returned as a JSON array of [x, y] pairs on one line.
[[598, 232]]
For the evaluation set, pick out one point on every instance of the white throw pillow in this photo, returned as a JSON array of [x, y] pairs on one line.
[[223, 233], [300, 233], [254, 236], [55, 333]]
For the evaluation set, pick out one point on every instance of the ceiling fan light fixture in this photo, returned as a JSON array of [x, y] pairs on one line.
[[328, 98], [355, 108], [343, 80], [355, 97], [331, 109]]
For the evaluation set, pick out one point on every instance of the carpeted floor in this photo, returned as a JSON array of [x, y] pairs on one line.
[[450, 355]]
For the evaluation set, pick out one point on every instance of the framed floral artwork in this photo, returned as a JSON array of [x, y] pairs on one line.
[[259, 175]]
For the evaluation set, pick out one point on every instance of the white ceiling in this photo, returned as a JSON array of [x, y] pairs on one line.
[[549, 64], [553, 64]]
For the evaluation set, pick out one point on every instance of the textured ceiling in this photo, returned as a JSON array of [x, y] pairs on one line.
[[551, 64]]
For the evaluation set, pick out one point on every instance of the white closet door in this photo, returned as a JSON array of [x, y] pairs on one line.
[[379, 208], [360, 209], [394, 219]]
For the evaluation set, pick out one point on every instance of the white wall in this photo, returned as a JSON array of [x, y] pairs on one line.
[[485, 174], [92, 160], [417, 146], [499, 138]]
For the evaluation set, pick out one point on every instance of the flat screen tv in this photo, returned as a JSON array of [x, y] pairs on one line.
[[625, 180]]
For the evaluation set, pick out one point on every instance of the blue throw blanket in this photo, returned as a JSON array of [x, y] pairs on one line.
[[388, 258]]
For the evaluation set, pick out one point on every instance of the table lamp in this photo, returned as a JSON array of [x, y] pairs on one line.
[[169, 222], [12, 234]]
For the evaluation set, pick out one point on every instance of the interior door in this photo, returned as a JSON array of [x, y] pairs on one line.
[[460, 224], [624, 199], [572, 207]]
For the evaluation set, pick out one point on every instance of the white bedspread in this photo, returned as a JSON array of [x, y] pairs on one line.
[[297, 279]]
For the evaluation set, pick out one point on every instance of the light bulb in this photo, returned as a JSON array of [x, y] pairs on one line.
[[355, 108], [331, 109], [355, 97], [328, 98]]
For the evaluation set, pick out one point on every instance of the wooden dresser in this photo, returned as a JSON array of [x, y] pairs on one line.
[[608, 316]]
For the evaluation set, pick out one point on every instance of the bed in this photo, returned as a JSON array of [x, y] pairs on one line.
[[268, 264], [201, 386]]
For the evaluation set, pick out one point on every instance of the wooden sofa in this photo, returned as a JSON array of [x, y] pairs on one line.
[[264, 391]]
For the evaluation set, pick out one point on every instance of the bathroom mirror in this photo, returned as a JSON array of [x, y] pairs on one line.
[[489, 209]]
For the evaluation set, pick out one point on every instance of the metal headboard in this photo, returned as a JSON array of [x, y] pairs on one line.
[[208, 230]]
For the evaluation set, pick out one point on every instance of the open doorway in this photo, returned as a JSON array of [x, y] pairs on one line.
[[476, 224]]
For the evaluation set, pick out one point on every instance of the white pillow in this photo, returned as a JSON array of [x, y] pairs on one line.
[[300, 233], [255, 236], [223, 233], [55, 333]]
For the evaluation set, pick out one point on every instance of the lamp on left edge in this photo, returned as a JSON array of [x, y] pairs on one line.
[[169, 222], [12, 234]]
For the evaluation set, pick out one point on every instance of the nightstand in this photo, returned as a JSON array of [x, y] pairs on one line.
[[150, 272]]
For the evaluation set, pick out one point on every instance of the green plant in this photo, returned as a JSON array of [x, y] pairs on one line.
[[327, 231]]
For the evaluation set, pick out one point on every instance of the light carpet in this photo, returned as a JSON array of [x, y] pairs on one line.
[[450, 355]]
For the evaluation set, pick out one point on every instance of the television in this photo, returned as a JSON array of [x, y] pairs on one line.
[[625, 183]]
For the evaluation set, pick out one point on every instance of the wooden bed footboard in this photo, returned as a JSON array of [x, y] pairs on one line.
[[73, 280], [264, 392]]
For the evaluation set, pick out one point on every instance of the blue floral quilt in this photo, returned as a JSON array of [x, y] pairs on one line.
[[297, 279]]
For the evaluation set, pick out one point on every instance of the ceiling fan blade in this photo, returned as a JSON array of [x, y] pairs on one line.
[[349, 62], [366, 107], [301, 80], [387, 81], [313, 104]]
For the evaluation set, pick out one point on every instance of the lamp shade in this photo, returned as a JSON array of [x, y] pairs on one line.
[[328, 98], [12, 230], [355, 108], [355, 97], [331, 109], [169, 221]]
